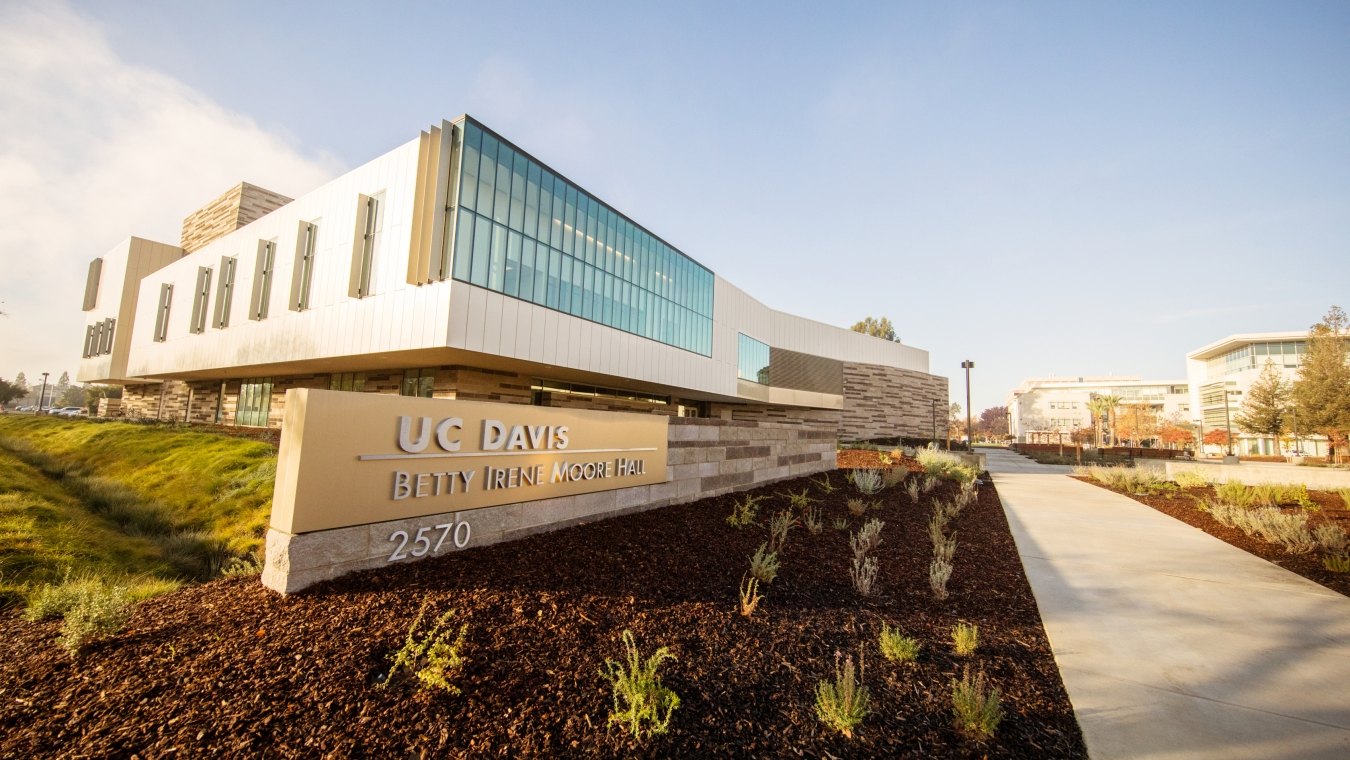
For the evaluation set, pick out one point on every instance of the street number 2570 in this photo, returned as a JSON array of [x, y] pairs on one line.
[[420, 544]]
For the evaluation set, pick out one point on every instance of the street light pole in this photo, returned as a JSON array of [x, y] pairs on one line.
[[1227, 420], [968, 365], [43, 395], [935, 438]]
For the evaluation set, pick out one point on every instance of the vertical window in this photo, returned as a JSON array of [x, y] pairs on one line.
[[162, 312], [418, 382], [224, 292], [348, 381], [105, 345], [199, 299], [304, 266], [255, 401], [752, 360], [262, 279], [88, 341], [463, 255], [91, 284], [368, 223]]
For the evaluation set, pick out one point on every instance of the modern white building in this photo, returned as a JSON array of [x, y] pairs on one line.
[[460, 266], [1221, 373], [1050, 409]]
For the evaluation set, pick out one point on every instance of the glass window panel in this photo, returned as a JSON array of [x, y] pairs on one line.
[[541, 258], [511, 286], [1261, 349], [565, 285], [463, 253], [587, 281], [519, 169], [569, 219], [531, 227], [578, 277], [497, 270], [482, 251], [468, 183], [501, 201], [487, 175], [527, 270], [554, 269]]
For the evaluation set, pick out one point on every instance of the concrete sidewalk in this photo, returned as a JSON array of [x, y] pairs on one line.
[[1173, 644]]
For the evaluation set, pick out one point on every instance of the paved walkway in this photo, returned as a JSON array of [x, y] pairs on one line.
[[1173, 644]]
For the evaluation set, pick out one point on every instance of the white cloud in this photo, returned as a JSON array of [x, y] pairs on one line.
[[92, 150]]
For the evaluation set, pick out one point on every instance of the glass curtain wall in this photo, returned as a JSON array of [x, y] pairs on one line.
[[752, 360], [255, 399], [526, 232]]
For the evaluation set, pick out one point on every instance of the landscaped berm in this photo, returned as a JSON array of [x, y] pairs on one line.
[[889, 618]]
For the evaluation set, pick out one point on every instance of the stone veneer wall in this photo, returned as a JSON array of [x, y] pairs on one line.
[[886, 402], [238, 206], [706, 457]]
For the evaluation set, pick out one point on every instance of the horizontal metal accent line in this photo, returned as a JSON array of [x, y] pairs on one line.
[[377, 457]]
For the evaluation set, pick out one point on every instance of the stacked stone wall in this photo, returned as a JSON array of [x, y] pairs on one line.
[[886, 402]]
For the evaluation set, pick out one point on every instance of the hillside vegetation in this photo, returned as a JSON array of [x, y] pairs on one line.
[[146, 505]]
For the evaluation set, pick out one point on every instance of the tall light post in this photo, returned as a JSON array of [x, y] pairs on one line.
[[42, 397], [935, 438], [968, 365]]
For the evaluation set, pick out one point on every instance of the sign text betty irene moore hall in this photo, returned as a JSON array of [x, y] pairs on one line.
[[353, 459]]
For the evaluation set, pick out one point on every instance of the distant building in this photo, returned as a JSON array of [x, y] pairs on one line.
[[1221, 373], [1050, 409]]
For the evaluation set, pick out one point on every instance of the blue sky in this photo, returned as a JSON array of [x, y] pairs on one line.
[[1044, 188]]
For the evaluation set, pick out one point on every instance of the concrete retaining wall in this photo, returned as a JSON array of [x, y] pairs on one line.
[[1254, 473], [706, 457]]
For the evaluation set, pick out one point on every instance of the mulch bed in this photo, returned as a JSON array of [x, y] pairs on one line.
[[1184, 506], [229, 668], [848, 459]]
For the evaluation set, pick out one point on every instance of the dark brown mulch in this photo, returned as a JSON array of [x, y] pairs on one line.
[[848, 459], [1184, 505], [232, 669]]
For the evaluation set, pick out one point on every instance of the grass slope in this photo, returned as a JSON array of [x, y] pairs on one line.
[[118, 500]]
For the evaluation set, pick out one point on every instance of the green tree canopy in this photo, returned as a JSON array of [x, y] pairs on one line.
[[1266, 404], [8, 392], [1322, 390], [21, 382], [879, 328]]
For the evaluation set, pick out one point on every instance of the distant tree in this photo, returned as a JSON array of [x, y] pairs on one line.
[[1112, 402], [1217, 438], [73, 395], [877, 328], [94, 393], [1173, 435], [1265, 404], [993, 421], [21, 382], [1083, 435], [1322, 390], [1099, 408], [8, 392], [62, 385]]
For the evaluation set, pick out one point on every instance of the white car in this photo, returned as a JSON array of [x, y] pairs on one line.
[[70, 411]]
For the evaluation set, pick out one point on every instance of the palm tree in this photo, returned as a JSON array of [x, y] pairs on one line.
[[1098, 406], [1111, 401]]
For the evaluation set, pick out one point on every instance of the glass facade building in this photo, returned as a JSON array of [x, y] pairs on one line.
[[526, 232], [1285, 353]]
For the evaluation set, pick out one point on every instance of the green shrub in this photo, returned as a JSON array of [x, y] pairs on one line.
[[975, 705], [798, 500], [965, 639], [863, 574], [867, 481], [839, 523], [939, 573], [1345, 496], [1332, 539], [241, 567], [779, 525], [1234, 493], [912, 490], [812, 520], [433, 657], [897, 647], [945, 465], [823, 483], [1337, 563], [867, 538], [744, 511], [857, 507], [95, 611], [641, 703], [1190, 479], [841, 703], [764, 565]]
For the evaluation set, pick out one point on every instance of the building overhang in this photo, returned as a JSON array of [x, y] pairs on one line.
[[1224, 345]]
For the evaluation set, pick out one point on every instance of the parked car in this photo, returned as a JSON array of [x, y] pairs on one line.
[[70, 411]]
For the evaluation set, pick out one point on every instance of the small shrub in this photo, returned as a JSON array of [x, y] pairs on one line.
[[1233, 493], [241, 567], [97, 610], [799, 500], [912, 490], [1190, 479], [750, 596], [929, 483], [779, 525], [975, 705], [937, 528], [939, 572], [823, 483], [1332, 539], [641, 703], [1337, 563], [839, 523], [867, 481], [884, 459], [764, 565], [893, 477], [841, 703], [945, 465], [863, 573], [433, 657], [857, 507], [744, 511], [965, 639], [896, 647], [945, 550], [1344, 493], [812, 520], [867, 538]]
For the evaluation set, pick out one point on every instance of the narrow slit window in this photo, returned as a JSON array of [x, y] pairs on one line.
[[91, 284], [304, 266], [162, 313], [200, 296], [105, 344], [88, 341], [363, 252], [262, 279], [224, 292]]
